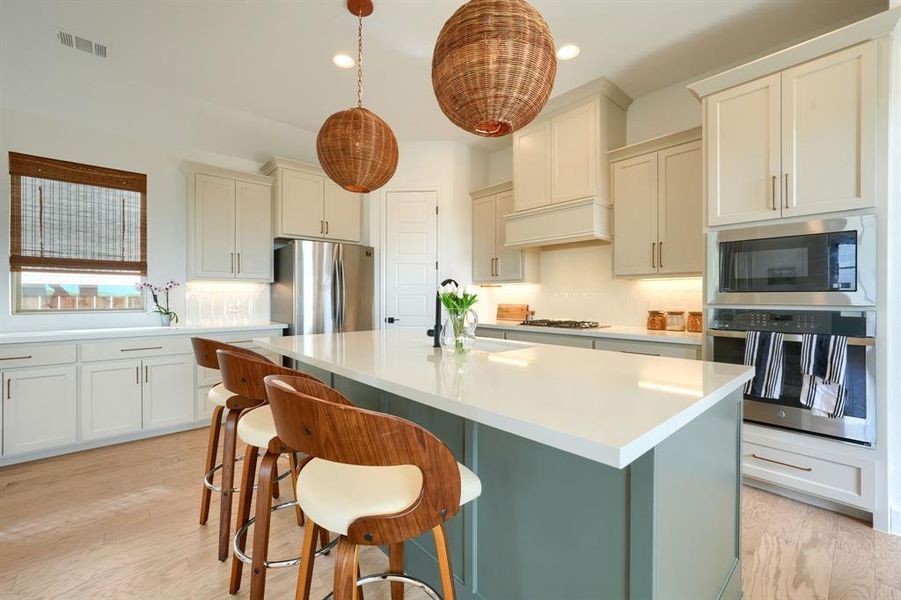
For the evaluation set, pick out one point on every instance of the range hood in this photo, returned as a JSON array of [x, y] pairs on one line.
[[577, 221]]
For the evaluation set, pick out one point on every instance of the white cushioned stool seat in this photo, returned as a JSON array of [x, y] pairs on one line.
[[218, 395], [256, 427], [335, 495]]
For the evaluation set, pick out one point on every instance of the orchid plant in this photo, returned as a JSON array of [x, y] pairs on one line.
[[155, 293]]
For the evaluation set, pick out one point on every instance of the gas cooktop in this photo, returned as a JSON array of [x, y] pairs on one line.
[[563, 323]]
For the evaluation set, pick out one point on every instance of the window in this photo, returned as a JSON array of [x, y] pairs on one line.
[[78, 235]]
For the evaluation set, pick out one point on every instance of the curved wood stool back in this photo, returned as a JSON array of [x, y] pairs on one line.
[[339, 432], [243, 375], [205, 356]]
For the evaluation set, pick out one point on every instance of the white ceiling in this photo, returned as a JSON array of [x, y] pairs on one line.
[[273, 58]]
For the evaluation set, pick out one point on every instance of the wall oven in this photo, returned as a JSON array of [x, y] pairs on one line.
[[830, 262], [728, 328]]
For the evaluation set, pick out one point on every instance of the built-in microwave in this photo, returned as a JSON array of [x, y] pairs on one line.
[[830, 262]]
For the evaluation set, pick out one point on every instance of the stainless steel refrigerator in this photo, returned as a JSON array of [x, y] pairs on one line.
[[323, 287]]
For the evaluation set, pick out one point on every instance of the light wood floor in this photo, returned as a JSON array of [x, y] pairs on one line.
[[121, 522]]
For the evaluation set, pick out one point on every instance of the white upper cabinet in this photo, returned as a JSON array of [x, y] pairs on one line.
[[483, 238], [309, 205], [798, 142], [828, 133], [532, 166], [635, 215], [743, 152], [509, 263], [680, 209], [230, 225], [492, 261], [574, 152]]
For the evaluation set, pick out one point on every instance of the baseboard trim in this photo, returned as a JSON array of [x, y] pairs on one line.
[[896, 520], [844, 509]]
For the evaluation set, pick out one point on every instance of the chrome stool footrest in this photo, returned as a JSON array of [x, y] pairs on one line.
[[208, 478], [274, 564], [402, 578]]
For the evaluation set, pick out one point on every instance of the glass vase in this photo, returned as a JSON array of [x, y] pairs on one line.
[[458, 334]]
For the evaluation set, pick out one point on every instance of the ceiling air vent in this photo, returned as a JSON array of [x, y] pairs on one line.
[[85, 45]]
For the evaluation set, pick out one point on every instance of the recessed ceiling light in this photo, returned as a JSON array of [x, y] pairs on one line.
[[343, 61], [568, 52]]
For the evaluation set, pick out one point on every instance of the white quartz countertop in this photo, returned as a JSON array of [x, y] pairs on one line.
[[29, 337], [614, 332], [609, 407]]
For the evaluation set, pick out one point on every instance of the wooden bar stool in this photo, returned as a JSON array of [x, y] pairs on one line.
[[374, 479], [244, 375], [221, 398]]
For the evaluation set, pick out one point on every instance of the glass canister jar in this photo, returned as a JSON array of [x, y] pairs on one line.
[[695, 321], [675, 320], [656, 320]]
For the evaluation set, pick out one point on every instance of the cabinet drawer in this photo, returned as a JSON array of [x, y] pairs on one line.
[[497, 334], [135, 348], [574, 341], [20, 355], [649, 348], [825, 476]]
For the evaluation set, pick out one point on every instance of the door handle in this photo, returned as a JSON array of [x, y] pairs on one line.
[[660, 255], [391, 319], [786, 191], [653, 255], [774, 192]]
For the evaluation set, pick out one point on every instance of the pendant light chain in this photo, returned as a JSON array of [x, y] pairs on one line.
[[360, 59]]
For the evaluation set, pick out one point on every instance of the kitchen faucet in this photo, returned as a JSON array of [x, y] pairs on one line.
[[435, 333]]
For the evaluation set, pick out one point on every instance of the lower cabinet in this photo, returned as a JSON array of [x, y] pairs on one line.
[[649, 348], [168, 391], [575, 341], [110, 398], [38, 409]]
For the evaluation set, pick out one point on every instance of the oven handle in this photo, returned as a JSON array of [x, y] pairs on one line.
[[789, 337]]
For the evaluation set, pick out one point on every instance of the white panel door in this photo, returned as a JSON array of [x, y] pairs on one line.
[[743, 152], [829, 133], [532, 166], [38, 409], [253, 231], [575, 153], [508, 261], [411, 258], [214, 227], [302, 195], [168, 391], [680, 210], [483, 235], [343, 213], [635, 215], [110, 402]]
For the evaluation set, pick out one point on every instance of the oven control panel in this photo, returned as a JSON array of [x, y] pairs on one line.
[[849, 323]]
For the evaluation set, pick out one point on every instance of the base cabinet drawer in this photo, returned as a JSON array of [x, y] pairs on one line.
[[497, 334], [574, 341], [135, 348], [822, 475], [649, 348], [27, 355], [38, 409], [110, 399]]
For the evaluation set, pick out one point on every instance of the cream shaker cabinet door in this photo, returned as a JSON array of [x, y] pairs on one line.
[[743, 152], [253, 232], [635, 215], [214, 227], [680, 240], [110, 402], [484, 229], [168, 391], [828, 133], [508, 263], [343, 213], [38, 409], [532, 166], [301, 197], [575, 145]]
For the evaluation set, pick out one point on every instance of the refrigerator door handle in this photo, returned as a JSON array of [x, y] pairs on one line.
[[342, 293]]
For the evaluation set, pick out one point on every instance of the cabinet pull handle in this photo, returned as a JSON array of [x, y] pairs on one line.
[[321, 227], [239, 262], [231, 268], [638, 353], [660, 255], [774, 192], [786, 190], [9, 394], [653, 255], [784, 464], [146, 376], [138, 349], [241, 342], [138, 374], [16, 357], [326, 228]]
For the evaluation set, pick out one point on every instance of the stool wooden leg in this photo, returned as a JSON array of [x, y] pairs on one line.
[[323, 538], [444, 563], [244, 500], [347, 566], [212, 449], [228, 481], [292, 461], [268, 473], [307, 558], [396, 565], [276, 492]]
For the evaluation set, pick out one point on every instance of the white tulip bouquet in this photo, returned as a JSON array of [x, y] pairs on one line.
[[462, 319], [456, 299]]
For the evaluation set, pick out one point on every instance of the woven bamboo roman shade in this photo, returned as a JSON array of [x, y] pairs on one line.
[[71, 217]]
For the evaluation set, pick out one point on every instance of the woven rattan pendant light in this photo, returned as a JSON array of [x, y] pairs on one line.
[[356, 148], [494, 66]]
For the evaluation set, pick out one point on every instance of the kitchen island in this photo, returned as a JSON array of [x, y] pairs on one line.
[[604, 475]]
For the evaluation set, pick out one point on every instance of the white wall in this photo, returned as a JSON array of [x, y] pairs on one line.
[[667, 110], [500, 165], [893, 299]]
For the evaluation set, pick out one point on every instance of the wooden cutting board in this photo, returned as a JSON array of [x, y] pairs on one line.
[[512, 312]]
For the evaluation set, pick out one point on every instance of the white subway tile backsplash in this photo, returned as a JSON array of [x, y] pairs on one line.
[[226, 303]]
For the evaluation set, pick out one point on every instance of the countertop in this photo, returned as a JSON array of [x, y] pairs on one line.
[[614, 332], [26, 337], [608, 407]]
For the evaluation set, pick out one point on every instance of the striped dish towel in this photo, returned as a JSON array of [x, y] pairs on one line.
[[763, 351], [824, 359]]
